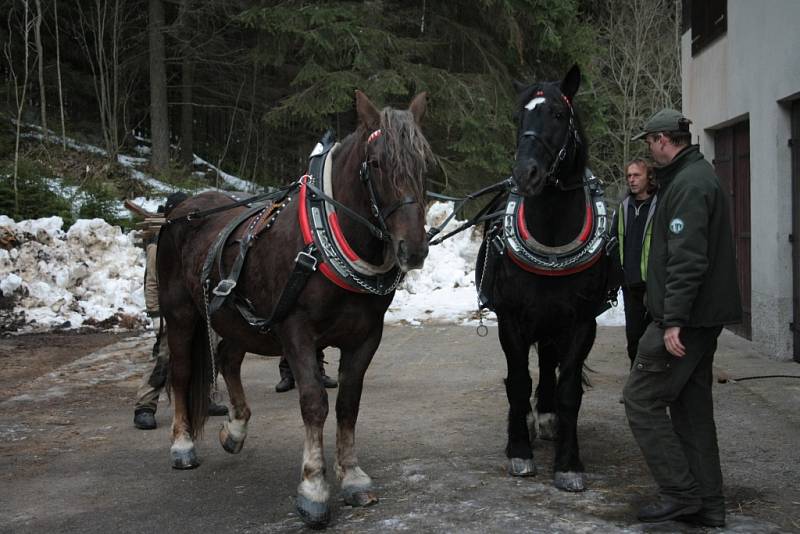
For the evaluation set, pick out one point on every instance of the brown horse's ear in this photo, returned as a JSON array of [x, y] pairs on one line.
[[519, 86], [418, 106], [368, 114]]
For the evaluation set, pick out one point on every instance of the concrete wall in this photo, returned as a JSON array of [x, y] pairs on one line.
[[748, 74]]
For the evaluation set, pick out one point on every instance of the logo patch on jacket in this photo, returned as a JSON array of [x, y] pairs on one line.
[[676, 226]]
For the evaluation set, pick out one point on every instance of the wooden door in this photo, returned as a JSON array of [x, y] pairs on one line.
[[732, 164]]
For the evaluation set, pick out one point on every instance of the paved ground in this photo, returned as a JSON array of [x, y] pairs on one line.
[[431, 434]]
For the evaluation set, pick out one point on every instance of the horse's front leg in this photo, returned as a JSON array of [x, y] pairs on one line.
[[312, 492], [518, 389], [356, 484], [545, 422], [568, 471], [234, 430]]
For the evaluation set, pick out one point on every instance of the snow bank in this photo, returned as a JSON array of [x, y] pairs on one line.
[[93, 273]]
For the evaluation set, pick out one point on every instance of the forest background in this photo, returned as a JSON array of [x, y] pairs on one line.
[[251, 85]]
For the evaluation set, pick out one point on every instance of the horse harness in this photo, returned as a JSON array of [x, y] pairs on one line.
[[508, 234], [326, 248]]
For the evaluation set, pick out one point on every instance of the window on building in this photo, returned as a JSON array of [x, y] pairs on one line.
[[709, 19]]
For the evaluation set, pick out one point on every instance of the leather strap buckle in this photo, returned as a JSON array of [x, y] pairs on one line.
[[306, 260], [224, 287]]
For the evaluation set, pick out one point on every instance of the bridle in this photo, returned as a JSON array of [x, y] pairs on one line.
[[382, 215], [571, 140]]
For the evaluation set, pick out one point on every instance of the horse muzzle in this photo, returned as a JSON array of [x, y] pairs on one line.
[[410, 255], [528, 177]]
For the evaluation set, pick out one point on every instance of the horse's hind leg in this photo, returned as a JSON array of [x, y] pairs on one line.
[[518, 390], [545, 422], [181, 336], [234, 430], [568, 469], [356, 484]]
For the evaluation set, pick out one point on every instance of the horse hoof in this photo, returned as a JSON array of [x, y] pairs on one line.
[[315, 515], [359, 496], [184, 459], [521, 467], [228, 443], [569, 481]]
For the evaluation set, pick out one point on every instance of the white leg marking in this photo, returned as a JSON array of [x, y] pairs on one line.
[[237, 429], [314, 487], [546, 425], [356, 477], [182, 444]]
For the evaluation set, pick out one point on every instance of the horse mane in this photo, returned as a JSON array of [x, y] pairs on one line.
[[406, 150]]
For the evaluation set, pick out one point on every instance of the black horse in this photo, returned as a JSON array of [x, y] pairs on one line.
[[547, 276]]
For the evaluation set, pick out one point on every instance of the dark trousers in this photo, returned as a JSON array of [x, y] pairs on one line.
[[636, 317], [286, 371], [680, 448]]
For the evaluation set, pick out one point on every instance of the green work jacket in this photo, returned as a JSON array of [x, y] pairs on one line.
[[691, 270]]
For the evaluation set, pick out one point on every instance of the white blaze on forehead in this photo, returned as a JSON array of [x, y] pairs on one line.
[[535, 102]]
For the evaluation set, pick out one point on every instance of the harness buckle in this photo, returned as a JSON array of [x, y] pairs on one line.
[[306, 260], [224, 287]]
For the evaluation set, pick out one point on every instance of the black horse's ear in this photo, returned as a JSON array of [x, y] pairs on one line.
[[571, 82], [519, 86], [418, 106], [368, 114]]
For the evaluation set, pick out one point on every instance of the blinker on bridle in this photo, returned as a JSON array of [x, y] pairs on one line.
[[557, 157], [382, 215]]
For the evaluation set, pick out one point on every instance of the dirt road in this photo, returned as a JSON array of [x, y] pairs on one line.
[[431, 434]]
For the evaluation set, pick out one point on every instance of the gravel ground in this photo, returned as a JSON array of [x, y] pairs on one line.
[[431, 434]]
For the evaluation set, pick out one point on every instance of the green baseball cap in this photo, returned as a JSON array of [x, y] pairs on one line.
[[666, 120]]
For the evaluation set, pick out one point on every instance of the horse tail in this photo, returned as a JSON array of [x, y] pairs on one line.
[[200, 382]]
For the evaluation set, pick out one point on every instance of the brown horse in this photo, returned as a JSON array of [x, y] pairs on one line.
[[378, 173]]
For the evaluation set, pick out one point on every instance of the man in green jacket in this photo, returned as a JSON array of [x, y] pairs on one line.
[[692, 292]]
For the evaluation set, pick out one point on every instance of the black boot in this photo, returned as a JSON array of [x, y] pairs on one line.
[[144, 419], [665, 509], [286, 383], [327, 381], [216, 409], [287, 379]]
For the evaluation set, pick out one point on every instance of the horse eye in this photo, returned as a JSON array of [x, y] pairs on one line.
[[559, 114], [374, 163]]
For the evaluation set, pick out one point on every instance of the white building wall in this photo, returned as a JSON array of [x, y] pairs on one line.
[[746, 74]]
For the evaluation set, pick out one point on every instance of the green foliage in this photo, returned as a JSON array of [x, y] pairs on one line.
[[464, 53], [35, 196]]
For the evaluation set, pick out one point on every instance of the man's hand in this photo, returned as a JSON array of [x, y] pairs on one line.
[[672, 340]]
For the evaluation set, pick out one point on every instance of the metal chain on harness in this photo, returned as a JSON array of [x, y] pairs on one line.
[[482, 330], [212, 343]]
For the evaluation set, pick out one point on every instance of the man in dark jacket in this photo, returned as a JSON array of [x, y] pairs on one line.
[[634, 228], [692, 292]]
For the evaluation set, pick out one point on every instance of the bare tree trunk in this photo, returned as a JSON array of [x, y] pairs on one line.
[[19, 98], [37, 32], [159, 120], [58, 71], [187, 87], [187, 112]]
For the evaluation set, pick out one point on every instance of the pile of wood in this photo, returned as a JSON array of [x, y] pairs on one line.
[[150, 224]]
